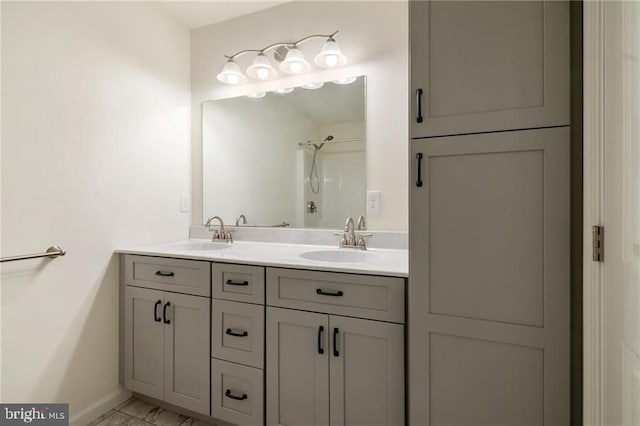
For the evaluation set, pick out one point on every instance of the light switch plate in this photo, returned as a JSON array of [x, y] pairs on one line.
[[185, 203], [373, 201]]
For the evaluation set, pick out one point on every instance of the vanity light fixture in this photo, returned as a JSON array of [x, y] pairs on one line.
[[261, 68], [330, 55], [231, 73], [283, 91], [312, 86], [294, 62], [346, 80]]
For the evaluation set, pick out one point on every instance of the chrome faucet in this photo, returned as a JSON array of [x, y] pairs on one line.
[[219, 235], [350, 239], [243, 218], [362, 224], [350, 232]]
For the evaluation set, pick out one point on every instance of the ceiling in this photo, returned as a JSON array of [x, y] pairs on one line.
[[196, 14]]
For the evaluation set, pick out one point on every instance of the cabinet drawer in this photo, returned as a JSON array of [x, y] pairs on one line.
[[236, 393], [363, 296], [238, 282], [177, 275], [237, 332]]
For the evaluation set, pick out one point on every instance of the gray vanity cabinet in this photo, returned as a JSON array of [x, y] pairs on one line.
[[186, 348], [366, 369], [324, 367], [144, 341], [481, 66], [166, 335], [297, 367], [237, 344], [489, 279]]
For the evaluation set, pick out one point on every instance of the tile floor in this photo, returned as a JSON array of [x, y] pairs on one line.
[[135, 412]]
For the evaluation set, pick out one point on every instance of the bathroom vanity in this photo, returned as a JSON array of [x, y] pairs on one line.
[[255, 333]]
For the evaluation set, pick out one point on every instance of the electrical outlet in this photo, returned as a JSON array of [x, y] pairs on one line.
[[185, 203], [373, 201]]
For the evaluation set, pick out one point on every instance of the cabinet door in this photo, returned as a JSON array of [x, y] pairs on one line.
[[187, 351], [297, 368], [143, 344], [367, 372], [488, 65], [489, 288]]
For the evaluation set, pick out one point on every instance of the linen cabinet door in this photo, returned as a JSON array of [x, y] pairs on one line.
[[489, 288], [482, 66], [187, 351], [297, 368], [143, 341], [366, 372]]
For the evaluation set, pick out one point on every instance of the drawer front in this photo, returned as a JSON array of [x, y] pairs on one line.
[[363, 296], [177, 275], [237, 332], [240, 283], [236, 393]]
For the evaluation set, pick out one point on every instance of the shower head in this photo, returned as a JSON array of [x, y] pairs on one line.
[[327, 139]]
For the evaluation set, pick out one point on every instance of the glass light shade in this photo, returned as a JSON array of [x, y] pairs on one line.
[[330, 55], [295, 63], [257, 95], [313, 86], [346, 80], [231, 74], [284, 90], [261, 68]]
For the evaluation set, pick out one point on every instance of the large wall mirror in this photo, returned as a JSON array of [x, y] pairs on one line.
[[293, 159]]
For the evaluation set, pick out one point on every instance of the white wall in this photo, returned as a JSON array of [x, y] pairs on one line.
[[374, 36], [95, 152]]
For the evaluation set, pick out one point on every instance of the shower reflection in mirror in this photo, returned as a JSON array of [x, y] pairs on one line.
[[291, 157]]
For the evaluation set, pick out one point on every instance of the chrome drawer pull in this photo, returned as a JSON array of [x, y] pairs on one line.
[[231, 332], [228, 394]]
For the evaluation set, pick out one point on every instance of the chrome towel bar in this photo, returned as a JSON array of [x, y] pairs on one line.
[[52, 252]]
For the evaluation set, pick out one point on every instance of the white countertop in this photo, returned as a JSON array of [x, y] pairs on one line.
[[387, 262]]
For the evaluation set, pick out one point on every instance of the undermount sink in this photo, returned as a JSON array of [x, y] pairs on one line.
[[199, 246], [339, 256]]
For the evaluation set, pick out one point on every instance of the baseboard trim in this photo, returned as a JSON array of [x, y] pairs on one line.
[[100, 407]]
